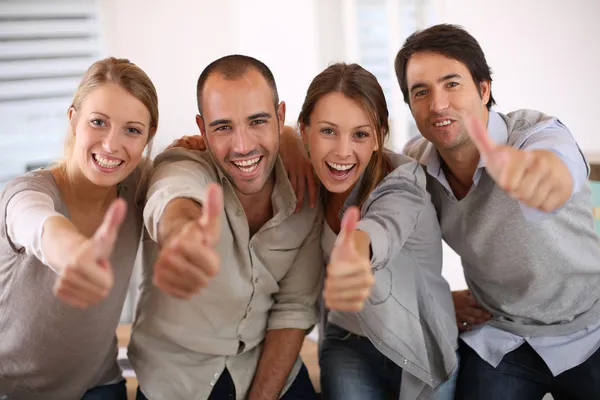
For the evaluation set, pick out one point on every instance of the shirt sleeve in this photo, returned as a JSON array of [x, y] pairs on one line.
[[174, 178], [390, 215], [295, 303], [26, 214]]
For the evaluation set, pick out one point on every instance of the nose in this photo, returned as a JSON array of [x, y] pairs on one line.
[[111, 141], [439, 101], [344, 147], [242, 141]]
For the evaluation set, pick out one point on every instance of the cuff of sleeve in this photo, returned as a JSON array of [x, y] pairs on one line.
[[297, 319], [156, 205], [379, 242]]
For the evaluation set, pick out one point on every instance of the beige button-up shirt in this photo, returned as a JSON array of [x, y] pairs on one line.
[[271, 280]]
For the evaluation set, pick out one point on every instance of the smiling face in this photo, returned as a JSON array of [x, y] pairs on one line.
[[241, 126], [341, 140], [111, 130], [442, 93]]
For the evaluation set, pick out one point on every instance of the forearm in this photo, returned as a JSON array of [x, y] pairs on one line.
[[280, 352], [177, 213], [60, 240]]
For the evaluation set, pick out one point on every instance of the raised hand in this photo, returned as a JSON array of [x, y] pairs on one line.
[[349, 276], [88, 277], [538, 178], [189, 259], [298, 166]]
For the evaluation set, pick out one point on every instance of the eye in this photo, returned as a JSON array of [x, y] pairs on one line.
[[258, 122], [134, 131], [97, 122], [421, 93], [327, 131], [361, 135], [223, 128], [452, 84]]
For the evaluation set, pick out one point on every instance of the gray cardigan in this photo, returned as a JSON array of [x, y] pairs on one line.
[[410, 315]]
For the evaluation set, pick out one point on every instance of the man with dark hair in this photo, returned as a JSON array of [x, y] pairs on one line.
[[259, 263], [513, 201]]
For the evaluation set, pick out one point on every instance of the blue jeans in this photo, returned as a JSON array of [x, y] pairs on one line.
[[117, 391], [523, 375], [300, 389], [353, 368]]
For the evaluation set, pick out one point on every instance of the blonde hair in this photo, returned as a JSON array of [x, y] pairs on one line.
[[121, 72]]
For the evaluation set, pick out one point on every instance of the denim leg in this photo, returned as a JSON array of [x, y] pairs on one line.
[[117, 391], [447, 390], [579, 383], [522, 375], [352, 368]]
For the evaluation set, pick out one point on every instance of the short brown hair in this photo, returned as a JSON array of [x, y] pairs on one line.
[[358, 84], [448, 40], [233, 67]]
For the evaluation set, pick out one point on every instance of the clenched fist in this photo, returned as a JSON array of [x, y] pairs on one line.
[[88, 278], [349, 275], [188, 260]]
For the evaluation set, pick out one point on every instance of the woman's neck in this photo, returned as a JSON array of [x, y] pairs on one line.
[[78, 191]]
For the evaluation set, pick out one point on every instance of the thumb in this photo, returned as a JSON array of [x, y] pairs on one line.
[[106, 235], [211, 210], [479, 135], [348, 225]]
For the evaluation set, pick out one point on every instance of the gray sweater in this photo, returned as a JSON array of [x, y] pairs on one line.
[[48, 349], [538, 276]]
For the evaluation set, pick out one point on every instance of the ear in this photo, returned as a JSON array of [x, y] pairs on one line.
[[485, 88], [303, 133], [200, 124], [281, 113]]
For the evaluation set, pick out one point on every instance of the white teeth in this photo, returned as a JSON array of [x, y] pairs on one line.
[[443, 123], [340, 167], [106, 163], [247, 165]]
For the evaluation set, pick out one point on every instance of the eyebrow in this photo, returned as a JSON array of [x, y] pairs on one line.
[[223, 121], [264, 115], [420, 85], [332, 124], [107, 117]]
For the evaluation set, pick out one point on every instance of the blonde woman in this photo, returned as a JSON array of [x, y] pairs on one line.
[[68, 240]]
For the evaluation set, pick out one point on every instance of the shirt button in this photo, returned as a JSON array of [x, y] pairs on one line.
[[212, 383], [255, 280], [379, 343], [405, 361], [249, 309], [238, 212], [216, 375]]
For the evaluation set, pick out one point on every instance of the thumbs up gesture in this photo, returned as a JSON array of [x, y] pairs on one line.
[[189, 259], [537, 178], [88, 278], [349, 277]]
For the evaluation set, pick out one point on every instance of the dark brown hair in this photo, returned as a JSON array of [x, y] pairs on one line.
[[448, 40], [358, 84], [233, 67]]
